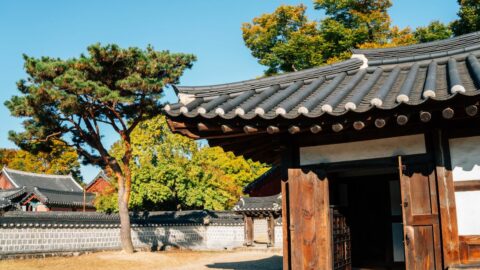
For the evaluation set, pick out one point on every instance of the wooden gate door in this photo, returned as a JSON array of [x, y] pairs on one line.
[[310, 227], [420, 216]]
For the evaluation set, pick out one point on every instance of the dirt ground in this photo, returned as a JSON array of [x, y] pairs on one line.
[[171, 260]]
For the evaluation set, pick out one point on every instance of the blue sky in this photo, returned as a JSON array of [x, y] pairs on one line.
[[209, 29]]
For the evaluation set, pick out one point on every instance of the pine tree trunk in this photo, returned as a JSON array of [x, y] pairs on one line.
[[123, 197]]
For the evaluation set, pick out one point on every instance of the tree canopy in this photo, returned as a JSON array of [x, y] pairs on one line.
[[78, 100], [469, 17], [434, 31], [275, 40], [286, 40], [172, 172]]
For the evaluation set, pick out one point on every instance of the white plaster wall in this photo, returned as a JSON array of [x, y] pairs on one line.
[[260, 230], [468, 212], [465, 159], [360, 150]]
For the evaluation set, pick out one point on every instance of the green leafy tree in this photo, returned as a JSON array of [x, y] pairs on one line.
[[367, 20], [286, 40], [172, 172], [62, 159], [78, 100], [275, 38], [434, 31], [469, 17]]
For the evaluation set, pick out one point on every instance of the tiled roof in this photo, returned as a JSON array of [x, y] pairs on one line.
[[62, 198], [63, 219], [47, 181], [259, 204], [380, 79], [9, 194], [46, 196]]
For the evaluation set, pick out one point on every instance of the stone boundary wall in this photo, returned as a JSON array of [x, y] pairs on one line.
[[24, 234]]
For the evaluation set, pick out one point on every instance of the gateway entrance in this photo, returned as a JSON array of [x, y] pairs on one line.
[[371, 206]]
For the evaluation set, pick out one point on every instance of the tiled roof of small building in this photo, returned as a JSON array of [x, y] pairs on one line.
[[46, 196], [47, 181], [101, 175], [9, 194], [379, 79], [62, 198]]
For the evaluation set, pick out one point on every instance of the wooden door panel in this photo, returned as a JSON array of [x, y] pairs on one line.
[[421, 247], [310, 232], [420, 194], [420, 217]]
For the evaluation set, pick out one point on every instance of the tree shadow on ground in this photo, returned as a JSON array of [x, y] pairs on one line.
[[270, 263]]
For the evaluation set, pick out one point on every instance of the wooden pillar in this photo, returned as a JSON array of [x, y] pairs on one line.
[[248, 230], [271, 231], [310, 225], [286, 226], [446, 198]]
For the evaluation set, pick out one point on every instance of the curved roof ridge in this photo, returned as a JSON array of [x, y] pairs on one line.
[[37, 174], [311, 73], [421, 51], [40, 189]]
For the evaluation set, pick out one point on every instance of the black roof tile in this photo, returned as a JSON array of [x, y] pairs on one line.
[[412, 75], [47, 181], [62, 198], [215, 218]]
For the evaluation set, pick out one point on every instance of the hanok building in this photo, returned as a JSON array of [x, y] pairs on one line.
[[100, 184], [42, 192], [390, 137], [259, 216]]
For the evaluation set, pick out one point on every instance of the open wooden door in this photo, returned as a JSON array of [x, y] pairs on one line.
[[420, 216], [309, 225]]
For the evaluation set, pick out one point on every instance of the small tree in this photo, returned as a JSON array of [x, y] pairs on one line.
[[79, 100]]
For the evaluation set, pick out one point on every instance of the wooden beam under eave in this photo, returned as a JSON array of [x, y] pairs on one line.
[[448, 113], [187, 133], [471, 110], [177, 125], [380, 122], [425, 116], [358, 125], [337, 127], [227, 129], [315, 129], [273, 129], [250, 129], [202, 127], [294, 129], [402, 119]]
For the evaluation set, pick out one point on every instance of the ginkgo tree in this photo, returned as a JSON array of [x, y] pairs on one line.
[[78, 101]]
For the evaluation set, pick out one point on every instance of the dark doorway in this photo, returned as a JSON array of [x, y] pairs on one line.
[[371, 205]]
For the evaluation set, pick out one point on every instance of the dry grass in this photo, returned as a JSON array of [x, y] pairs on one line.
[[174, 260]]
